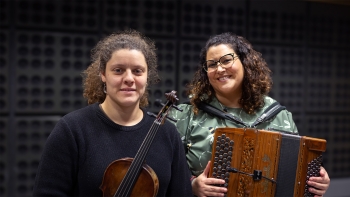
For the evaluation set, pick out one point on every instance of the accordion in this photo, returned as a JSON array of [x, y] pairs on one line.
[[264, 163]]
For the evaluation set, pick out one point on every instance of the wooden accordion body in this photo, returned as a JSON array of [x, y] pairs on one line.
[[281, 163]]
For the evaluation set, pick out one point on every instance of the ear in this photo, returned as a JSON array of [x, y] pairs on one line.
[[103, 76]]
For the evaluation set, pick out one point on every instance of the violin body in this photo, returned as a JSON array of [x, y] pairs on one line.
[[147, 183], [122, 177]]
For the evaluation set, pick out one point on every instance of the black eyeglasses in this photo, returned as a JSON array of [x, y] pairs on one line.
[[225, 61]]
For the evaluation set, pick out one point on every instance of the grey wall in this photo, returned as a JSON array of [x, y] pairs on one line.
[[44, 46]]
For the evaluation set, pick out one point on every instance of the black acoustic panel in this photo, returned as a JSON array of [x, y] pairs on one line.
[[343, 30], [4, 74], [69, 15], [166, 52], [342, 85], [201, 19], [48, 71], [340, 98], [341, 146], [286, 24], [150, 17], [288, 66], [188, 65], [342, 59], [331, 29], [270, 55], [4, 12], [31, 134], [321, 80], [4, 154], [335, 129]]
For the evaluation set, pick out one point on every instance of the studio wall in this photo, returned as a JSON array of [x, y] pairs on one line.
[[45, 46]]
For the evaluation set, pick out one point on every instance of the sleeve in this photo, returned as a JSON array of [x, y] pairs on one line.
[[183, 119], [56, 174], [293, 126], [282, 122], [180, 184]]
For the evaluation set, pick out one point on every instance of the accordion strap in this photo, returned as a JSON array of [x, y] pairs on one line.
[[269, 113]]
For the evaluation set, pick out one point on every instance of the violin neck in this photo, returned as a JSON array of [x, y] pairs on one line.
[[133, 172]]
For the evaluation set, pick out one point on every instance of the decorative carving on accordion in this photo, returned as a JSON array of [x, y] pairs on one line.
[[246, 166]]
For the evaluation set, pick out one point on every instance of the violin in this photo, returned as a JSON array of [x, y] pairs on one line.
[[131, 176]]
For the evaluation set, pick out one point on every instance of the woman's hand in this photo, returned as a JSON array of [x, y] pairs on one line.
[[320, 183], [203, 186]]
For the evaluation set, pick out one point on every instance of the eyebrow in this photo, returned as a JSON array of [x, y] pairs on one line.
[[234, 54]]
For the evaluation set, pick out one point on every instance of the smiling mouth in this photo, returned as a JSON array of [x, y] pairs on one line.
[[224, 78]]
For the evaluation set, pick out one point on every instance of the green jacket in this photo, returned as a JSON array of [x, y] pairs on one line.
[[197, 131]]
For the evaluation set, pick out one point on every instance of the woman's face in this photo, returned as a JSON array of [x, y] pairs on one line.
[[227, 82], [125, 77]]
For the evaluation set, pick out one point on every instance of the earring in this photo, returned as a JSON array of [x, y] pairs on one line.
[[104, 88]]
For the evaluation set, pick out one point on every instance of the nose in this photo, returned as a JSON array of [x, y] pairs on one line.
[[219, 67], [128, 77]]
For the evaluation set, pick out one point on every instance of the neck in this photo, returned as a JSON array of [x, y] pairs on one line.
[[126, 116], [229, 102]]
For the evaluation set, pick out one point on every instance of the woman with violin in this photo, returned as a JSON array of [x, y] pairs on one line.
[[113, 147]]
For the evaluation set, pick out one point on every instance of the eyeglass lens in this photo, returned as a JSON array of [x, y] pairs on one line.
[[225, 61]]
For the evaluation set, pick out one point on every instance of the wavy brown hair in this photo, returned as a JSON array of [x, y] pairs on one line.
[[102, 53], [257, 81]]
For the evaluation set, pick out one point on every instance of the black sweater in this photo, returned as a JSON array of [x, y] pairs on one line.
[[86, 141]]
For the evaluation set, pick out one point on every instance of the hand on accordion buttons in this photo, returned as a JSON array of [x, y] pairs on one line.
[[204, 186], [319, 184]]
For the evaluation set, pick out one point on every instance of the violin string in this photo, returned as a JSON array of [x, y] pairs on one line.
[[131, 175], [125, 188], [138, 163]]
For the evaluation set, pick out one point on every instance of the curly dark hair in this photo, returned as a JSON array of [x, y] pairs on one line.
[[257, 81], [101, 54]]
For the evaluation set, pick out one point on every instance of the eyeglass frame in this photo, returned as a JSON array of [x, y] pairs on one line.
[[216, 62]]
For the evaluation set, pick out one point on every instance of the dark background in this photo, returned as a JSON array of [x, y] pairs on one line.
[[45, 45]]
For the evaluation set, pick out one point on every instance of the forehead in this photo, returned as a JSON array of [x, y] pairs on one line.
[[128, 52], [215, 52], [126, 57]]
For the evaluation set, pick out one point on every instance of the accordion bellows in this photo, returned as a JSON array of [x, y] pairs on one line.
[[265, 163]]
